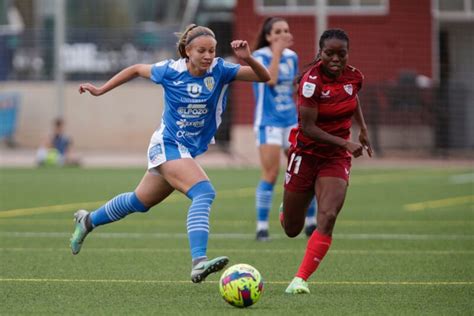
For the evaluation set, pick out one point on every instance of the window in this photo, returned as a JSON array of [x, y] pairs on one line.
[[333, 6], [455, 10]]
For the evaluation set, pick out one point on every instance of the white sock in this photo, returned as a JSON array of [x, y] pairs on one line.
[[310, 221], [262, 225]]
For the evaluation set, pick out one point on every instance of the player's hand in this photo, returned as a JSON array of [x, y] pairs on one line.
[[241, 49], [285, 40], [88, 87], [355, 149], [364, 140]]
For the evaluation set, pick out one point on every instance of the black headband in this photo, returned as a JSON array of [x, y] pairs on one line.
[[202, 33]]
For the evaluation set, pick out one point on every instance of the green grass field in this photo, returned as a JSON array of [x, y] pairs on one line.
[[403, 245]]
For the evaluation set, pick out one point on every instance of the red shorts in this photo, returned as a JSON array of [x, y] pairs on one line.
[[303, 169]]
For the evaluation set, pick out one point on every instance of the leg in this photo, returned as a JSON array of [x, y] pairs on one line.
[[151, 190], [195, 183], [331, 193], [295, 205], [270, 161]]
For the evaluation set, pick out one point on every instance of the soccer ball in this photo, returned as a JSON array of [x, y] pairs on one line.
[[241, 285]]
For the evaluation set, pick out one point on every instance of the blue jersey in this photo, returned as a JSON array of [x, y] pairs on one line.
[[275, 105], [193, 105]]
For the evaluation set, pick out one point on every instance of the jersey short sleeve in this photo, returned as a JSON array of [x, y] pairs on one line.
[[229, 70], [158, 71]]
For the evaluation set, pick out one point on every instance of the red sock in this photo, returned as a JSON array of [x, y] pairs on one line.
[[316, 249]]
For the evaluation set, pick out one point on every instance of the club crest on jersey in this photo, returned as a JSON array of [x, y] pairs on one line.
[[194, 90], [348, 88], [209, 83], [308, 89]]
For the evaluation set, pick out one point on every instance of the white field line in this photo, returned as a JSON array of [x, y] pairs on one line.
[[462, 178], [222, 194], [238, 236], [360, 283], [258, 251], [165, 222], [459, 200]]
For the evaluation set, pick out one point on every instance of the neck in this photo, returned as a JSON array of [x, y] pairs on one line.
[[330, 74], [193, 70]]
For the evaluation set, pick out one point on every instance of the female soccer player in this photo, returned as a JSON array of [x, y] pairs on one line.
[[275, 114], [319, 159], [195, 89]]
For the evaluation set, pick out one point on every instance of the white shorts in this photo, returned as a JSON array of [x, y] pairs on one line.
[[161, 150], [272, 135]]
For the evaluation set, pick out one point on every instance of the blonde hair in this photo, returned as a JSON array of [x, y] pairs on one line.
[[191, 32]]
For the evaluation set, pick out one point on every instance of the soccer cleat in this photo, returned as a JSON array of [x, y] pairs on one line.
[[82, 227], [297, 286], [309, 229], [262, 235], [202, 269]]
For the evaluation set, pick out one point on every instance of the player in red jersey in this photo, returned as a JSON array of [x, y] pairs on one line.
[[319, 159]]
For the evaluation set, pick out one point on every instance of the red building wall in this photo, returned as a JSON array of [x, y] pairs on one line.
[[380, 45]]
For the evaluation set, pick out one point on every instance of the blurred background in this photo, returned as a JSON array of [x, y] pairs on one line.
[[417, 58]]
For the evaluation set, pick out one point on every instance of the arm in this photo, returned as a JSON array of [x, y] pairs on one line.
[[363, 136], [285, 41], [123, 76], [255, 71], [308, 117]]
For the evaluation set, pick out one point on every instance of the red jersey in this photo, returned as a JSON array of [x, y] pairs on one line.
[[336, 100]]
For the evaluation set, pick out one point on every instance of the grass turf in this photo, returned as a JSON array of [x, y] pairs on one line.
[[403, 244]]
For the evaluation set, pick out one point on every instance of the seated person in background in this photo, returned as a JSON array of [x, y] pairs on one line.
[[56, 151]]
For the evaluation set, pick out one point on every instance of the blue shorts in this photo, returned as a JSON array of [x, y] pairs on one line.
[[272, 135]]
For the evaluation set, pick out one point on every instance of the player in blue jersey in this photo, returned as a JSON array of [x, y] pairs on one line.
[[275, 115], [195, 89]]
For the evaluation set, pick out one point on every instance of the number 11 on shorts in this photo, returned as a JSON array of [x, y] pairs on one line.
[[297, 161]]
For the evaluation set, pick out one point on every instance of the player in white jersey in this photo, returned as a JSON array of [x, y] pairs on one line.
[[195, 89], [275, 115]]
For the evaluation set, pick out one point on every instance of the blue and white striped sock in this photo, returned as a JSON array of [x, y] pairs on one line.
[[263, 203], [202, 195], [117, 208]]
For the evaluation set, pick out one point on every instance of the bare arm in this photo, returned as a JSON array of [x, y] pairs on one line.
[[308, 117], [127, 74], [255, 71], [278, 46], [363, 136]]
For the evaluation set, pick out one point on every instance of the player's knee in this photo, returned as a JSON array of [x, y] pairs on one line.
[[292, 230], [203, 188]]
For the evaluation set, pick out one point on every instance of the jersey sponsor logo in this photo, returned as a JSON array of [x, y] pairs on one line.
[[193, 110], [209, 83], [183, 123], [308, 89], [325, 94], [182, 133], [348, 88], [194, 90]]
